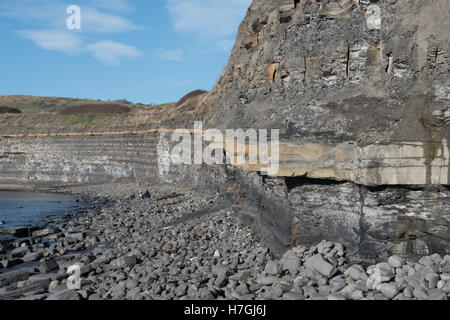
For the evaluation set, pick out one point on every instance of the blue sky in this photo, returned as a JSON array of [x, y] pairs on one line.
[[149, 51]]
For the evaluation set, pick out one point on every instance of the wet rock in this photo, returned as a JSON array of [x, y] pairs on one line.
[[19, 252], [13, 276], [9, 263], [48, 266], [45, 232], [19, 232], [32, 256]]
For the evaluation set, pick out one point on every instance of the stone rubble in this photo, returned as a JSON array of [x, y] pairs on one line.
[[148, 250]]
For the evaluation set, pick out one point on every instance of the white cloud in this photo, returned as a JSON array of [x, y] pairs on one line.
[[93, 20], [112, 5], [63, 41], [52, 14], [111, 52], [209, 18], [212, 20], [44, 12], [45, 21], [172, 55]]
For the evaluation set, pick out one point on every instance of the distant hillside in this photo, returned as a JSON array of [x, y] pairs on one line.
[[35, 104], [52, 114]]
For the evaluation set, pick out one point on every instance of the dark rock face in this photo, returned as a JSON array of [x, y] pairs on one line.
[[370, 73], [373, 222], [333, 71]]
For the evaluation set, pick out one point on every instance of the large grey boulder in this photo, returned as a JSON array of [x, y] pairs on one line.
[[318, 264]]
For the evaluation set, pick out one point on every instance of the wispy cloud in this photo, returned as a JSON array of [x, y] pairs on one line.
[[45, 25], [113, 5], [62, 41], [208, 19], [171, 55], [96, 21], [52, 13], [111, 52], [45, 12]]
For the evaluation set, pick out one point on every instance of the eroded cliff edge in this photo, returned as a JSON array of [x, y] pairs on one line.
[[360, 91]]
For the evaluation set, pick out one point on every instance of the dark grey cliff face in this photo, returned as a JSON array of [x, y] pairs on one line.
[[343, 71], [373, 222], [332, 71]]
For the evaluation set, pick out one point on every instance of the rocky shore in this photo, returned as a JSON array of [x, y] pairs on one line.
[[188, 244]]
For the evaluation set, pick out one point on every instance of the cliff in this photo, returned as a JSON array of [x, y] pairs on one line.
[[365, 79], [360, 92]]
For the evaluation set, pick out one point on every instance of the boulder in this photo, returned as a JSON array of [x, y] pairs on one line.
[[48, 266], [318, 264]]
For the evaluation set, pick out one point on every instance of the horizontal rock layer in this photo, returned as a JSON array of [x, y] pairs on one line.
[[409, 163], [94, 157]]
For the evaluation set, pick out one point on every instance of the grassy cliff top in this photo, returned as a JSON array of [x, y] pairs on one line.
[[37, 104], [42, 115], [53, 114]]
